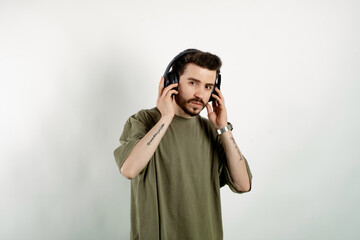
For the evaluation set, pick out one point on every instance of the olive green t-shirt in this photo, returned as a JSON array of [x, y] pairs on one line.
[[177, 195]]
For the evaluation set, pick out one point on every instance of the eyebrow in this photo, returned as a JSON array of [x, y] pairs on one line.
[[196, 80]]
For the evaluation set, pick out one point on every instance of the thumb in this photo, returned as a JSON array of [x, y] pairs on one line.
[[208, 108]]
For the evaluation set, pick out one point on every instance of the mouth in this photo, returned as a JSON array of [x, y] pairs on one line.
[[199, 104]]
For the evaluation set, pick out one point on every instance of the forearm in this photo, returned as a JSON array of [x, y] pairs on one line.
[[144, 149], [236, 162]]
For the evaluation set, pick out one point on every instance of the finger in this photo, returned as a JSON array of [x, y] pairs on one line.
[[168, 88], [208, 108], [172, 86], [219, 93], [214, 104], [161, 86], [171, 92], [218, 99]]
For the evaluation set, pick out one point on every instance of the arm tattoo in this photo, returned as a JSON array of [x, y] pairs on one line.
[[237, 148], [161, 127]]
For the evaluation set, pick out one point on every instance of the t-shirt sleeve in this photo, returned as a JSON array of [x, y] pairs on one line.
[[224, 172], [134, 130]]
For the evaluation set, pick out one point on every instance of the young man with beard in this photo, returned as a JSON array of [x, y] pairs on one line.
[[177, 160]]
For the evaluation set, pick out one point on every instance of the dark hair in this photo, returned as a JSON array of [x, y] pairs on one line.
[[202, 59]]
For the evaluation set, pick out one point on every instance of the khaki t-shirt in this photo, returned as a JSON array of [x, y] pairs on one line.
[[177, 195]]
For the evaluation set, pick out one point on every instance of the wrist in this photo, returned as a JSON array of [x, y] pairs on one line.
[[167, 118], [222, 126], [226, 128]]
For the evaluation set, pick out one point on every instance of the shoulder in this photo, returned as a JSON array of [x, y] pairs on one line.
[[147, 116], [148, 113]]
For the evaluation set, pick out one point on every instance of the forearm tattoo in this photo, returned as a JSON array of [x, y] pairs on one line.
[[237, 149], [161, 127]]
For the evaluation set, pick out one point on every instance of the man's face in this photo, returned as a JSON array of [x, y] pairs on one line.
[[195, 87]]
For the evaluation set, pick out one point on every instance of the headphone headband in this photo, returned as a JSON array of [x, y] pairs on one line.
[[177, 57]]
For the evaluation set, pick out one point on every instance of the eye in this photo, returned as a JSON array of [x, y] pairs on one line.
[[208, 87], [192, 83]]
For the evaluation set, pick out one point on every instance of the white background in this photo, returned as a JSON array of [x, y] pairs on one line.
[[72, 72]]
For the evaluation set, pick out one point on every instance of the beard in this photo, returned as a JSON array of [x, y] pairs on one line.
[[185, 105]]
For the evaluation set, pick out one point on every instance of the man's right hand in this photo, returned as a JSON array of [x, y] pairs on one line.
[[165, 99]]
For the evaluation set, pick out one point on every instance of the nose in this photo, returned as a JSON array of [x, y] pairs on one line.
[[200, 92]]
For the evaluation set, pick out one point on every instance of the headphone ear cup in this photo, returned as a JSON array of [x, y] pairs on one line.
[[172, 77], [217, 84], [212, 99]]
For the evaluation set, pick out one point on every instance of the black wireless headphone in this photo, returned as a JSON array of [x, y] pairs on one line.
[[171, 77]]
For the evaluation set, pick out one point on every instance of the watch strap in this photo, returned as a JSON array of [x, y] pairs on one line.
[[229, 127]]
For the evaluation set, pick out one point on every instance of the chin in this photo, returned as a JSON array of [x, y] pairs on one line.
[[193, 111]]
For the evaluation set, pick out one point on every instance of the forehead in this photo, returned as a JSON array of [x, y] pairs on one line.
[[202, 74]]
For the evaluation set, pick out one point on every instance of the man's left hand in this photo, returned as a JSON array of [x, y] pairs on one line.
[[217, 114]]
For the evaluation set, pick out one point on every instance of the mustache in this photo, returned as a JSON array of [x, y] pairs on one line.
[[197, 100]]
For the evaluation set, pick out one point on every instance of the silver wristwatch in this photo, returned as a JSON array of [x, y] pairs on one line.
[[229, 127]]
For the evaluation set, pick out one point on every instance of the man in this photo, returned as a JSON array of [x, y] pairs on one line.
[[177, 160]]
